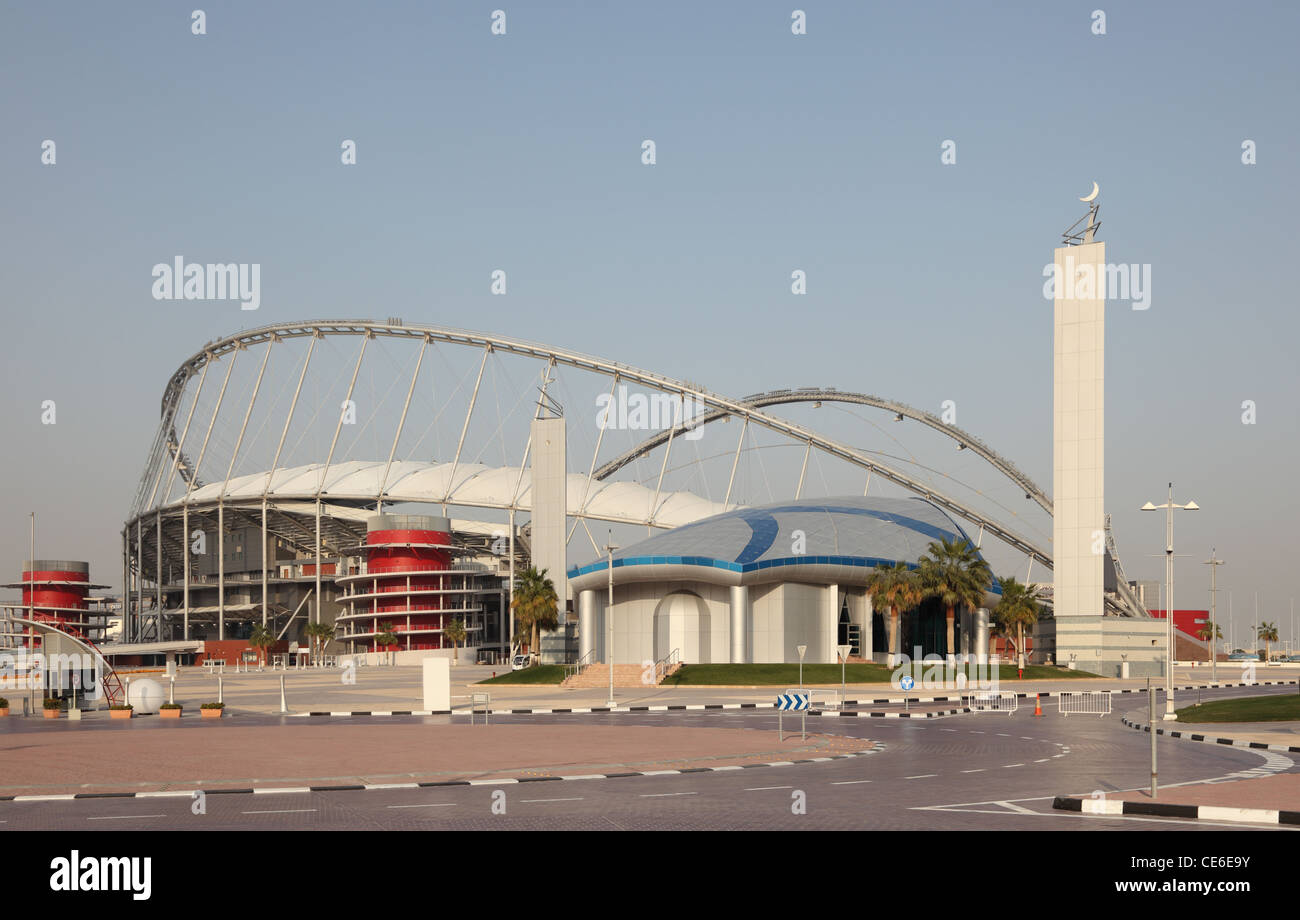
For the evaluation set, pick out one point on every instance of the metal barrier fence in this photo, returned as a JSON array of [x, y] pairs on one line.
[[823, 698], [1085, 702], [992, 701]]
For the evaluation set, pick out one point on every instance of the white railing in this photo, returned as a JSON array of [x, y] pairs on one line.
[[992, 701], [1085, 702], [822, 698]]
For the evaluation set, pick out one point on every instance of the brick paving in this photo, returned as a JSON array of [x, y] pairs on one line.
[[140, 756]]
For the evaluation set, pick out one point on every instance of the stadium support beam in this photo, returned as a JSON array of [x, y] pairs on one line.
[[383, 483], [460, 444], [320, 487], [275, 461], [735, 462], [659, 484], [802, 470]]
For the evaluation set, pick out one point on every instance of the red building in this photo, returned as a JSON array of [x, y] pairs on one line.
[[409, 583], [58, 592]]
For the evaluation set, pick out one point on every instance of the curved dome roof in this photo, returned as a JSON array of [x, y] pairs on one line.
[[746, 545]]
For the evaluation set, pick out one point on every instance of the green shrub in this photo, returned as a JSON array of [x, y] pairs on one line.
[[170, 706], [213, 706], [53, 702], [121, 706]]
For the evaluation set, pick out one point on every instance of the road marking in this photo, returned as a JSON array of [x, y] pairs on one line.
[[429, 805], [1025, 738], [282, 811], [280, 789], [850, 782], [766, 788], [1019, 809], [122, 817], [1006, 766], [973, 732], [980, 770], [922, 776], [661, 795], [947, 729], [1046, 759], [576, 799], [1003, 735]]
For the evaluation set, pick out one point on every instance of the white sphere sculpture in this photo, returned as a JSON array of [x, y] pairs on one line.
[[145, 695]]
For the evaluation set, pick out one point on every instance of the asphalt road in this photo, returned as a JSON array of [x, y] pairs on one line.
[[969, 772]]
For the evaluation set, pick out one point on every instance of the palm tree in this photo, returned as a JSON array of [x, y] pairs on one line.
[[320, 634], [1268, 633], [261, 639], [535, 604], [455, 631], [1204, 634], [1018, 608], [953, 571], [893, 587], [385, 637]]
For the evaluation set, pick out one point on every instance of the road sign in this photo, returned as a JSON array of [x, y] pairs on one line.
[[907, 683], [791, 701]]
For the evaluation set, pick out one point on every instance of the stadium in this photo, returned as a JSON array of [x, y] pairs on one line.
[[390, 478]]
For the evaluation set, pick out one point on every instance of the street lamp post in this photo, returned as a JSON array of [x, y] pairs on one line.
[[1213, 562], [801, 649], [609, 619], [1170, 507]]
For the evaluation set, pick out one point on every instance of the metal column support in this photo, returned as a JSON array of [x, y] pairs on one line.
[[668, 449], [157, 576], [600, 436], [185, 552]]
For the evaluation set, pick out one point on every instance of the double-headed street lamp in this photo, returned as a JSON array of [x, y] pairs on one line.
[[1170, 507]]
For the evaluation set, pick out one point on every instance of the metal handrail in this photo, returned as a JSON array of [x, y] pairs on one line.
[[573, 670], [666, 662]]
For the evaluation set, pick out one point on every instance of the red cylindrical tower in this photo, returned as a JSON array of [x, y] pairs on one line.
[[408, 585], [57, 592]]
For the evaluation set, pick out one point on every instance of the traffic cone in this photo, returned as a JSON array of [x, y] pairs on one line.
[[1038, 704]]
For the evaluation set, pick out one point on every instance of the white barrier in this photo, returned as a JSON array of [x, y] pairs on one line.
[[1085, 702], [992, 701], [824, 699]]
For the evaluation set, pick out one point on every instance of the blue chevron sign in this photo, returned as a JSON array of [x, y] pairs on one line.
[[788, 701]]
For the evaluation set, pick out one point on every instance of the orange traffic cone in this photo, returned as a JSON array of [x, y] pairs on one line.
[[1038, 704]]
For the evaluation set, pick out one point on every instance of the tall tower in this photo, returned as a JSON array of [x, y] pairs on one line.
[[1078, 436]]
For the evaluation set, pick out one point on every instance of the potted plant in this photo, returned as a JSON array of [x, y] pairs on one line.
[[53, 707], [121, 711], [169, 711], [211, 710], [4, 707]]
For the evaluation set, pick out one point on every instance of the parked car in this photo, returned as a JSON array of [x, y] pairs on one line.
[[519, 662], [1243, 656]]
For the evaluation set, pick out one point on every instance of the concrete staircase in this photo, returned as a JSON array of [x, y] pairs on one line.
[[597, 675]]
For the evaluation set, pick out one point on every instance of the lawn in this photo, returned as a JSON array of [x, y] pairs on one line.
[[538, 674], [787, 675], [1283, 707]]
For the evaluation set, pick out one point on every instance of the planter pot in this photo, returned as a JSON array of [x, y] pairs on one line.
[[4, 712], [52, 713], [211, 713], [121, 713], [169, 713]]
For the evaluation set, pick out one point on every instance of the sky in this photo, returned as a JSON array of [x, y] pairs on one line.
[[775, 152]]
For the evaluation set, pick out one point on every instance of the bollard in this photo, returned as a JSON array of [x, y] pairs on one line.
[[171, 690], [284, 707], [220, 692]]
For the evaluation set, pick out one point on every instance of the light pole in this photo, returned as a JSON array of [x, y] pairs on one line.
[[1213, 562], [609, 619], [801, 649], [1170, 507]]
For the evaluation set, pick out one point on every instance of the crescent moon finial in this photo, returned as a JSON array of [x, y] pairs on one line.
[[1093, 194]]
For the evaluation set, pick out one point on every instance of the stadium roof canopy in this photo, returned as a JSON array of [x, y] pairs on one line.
[[813, 540], [464, 484]]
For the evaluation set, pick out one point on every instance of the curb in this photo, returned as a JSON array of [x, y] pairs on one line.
[[357, 787], [696, 707], [1232, 742], [1192, 812]]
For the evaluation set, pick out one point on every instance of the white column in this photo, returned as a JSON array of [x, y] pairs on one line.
[[739, 622], [586, 625], [981, 636]]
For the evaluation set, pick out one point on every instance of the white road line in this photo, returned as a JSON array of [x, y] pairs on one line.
[[1025, 738], [1003, 735], [922, 776], [973, 732], [122, 817], [429, 805], [1018, 808], [282, 811], [575, 799], [980, 770], [947, 729], [661, 795], [766, 788], [1006, 766], [850, 782], [1046, 759], [284, 789]]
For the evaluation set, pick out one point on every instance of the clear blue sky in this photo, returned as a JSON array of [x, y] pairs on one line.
[[775, 152]]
